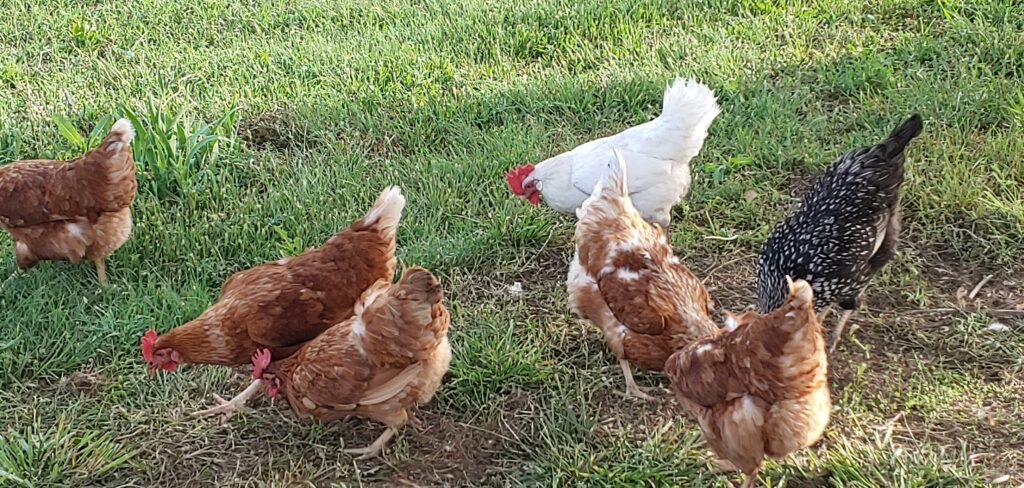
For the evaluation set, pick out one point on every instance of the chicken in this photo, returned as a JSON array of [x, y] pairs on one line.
[[386, 359], [659, 154], [625, 279], [283, 304], [758, 387], [71, 210], [843, 231]]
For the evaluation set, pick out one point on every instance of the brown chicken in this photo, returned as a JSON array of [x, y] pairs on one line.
[[71, 210], [758, 388], [378, 364], [283, 304], [625, 279]]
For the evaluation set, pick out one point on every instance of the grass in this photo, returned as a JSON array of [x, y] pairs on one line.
[[264, 128]]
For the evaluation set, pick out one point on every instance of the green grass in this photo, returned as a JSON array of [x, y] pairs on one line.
[[265, 128]]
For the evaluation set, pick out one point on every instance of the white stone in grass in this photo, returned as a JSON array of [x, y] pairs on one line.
[[516, 289], [1001, 479], [998, 327]]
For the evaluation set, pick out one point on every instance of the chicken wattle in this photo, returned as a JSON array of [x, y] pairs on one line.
[[283, 304]]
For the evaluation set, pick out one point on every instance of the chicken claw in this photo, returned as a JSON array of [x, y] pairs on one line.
[[720, 466], [374, 449], [229, 408], [750, 481], [632, 390], [638, 393], [413, 421]]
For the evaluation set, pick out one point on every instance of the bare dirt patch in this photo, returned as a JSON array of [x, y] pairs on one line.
[[276, 129], [83, 383]]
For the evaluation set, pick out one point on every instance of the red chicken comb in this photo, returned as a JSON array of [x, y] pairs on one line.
[[515, 176], [260, 361], [148, 344]]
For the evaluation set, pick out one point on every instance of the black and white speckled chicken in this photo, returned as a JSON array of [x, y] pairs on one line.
[[843, 231]]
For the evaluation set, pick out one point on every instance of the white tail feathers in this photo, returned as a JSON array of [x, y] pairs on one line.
[[386, 212], [691, 104], [120, 135]]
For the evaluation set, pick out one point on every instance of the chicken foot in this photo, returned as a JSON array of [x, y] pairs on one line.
[[838, 334], [413, 421], [374, 449], [230, 407], [750, 480], [632, 390], [721, 466]]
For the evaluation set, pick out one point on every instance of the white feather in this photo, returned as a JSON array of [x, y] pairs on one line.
[[657, 153]]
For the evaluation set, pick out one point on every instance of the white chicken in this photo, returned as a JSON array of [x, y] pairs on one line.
[[658, 154]]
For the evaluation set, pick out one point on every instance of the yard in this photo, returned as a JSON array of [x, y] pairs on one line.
[[268, 126]]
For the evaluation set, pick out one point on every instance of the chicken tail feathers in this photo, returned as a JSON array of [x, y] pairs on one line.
[[883, 162], [879, 166], [385, 213], [119, 137], [609, 193], [614, 181], [404, 322], [898, 139], [114, 157], [691, 104], [115, 150]]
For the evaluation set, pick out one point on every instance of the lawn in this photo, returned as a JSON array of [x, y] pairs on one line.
[[264, 127]]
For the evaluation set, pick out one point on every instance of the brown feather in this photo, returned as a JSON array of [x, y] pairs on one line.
[[70, 210], [396, 343], [760, 388], [283, 304], [626, 280]]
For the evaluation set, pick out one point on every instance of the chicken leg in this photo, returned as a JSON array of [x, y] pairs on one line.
[[101, 272], [632, 390], [750, 480], [230, 407], [838, 334], [824, 314], [374, 449]]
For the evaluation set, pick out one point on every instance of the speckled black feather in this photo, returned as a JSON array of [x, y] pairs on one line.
[[843, 231]]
